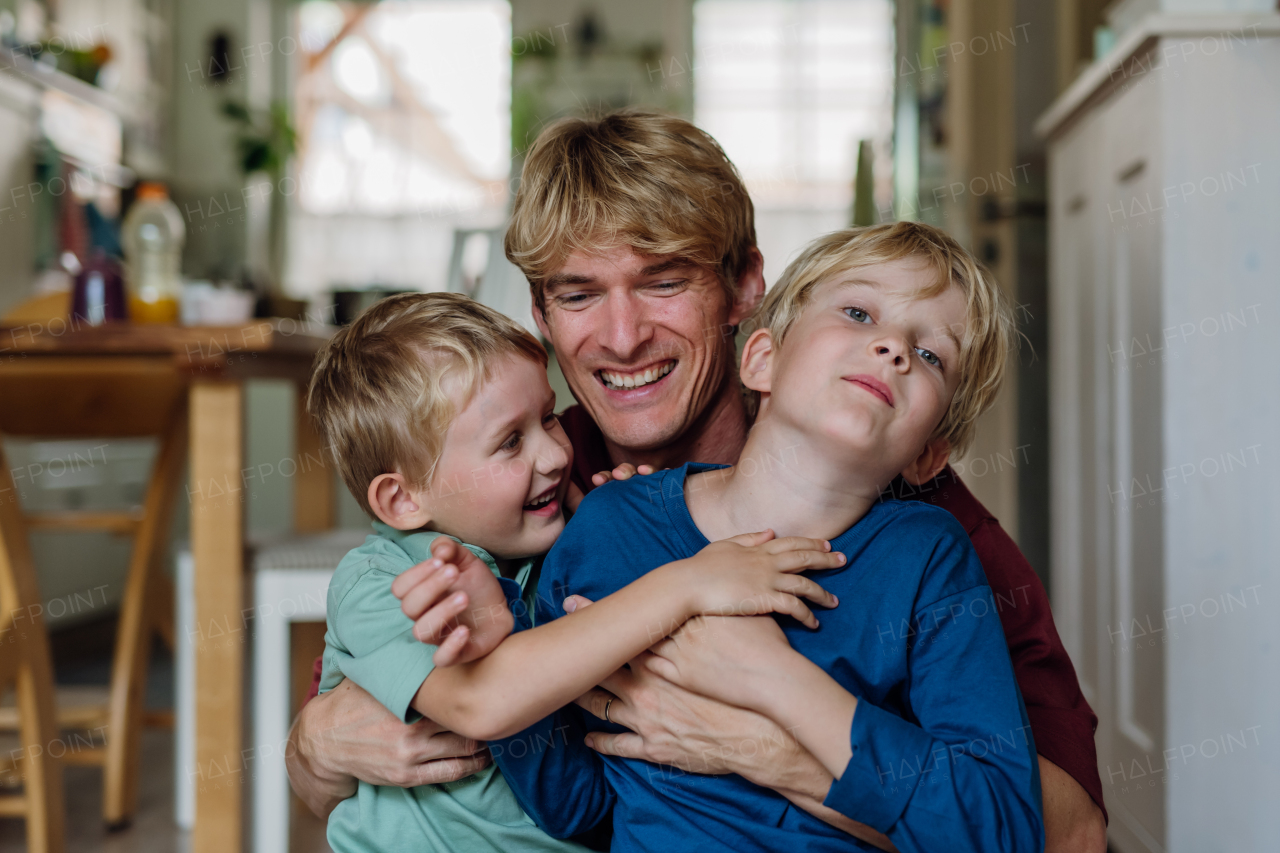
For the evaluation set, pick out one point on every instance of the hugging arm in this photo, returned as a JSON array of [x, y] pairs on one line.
[[961, 775], [531, 673], [346, 734]]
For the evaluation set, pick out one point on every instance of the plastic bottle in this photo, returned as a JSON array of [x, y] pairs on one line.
[[153, 237]]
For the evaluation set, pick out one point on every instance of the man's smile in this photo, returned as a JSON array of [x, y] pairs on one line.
[[617, 380]]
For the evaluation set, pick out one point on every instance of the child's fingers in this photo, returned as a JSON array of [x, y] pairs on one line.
[[795, 608], [410, 578], [797, 543], [750, 540], [803, 561], [448, 652], [425, 594], [432, 626], [445, 549], [805, 588], [574, 603], [664, 668]]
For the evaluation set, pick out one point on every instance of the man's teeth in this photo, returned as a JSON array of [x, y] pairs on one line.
[[635, 380], [542, 501]]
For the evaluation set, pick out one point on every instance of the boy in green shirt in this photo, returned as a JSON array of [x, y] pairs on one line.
[[441, 419]]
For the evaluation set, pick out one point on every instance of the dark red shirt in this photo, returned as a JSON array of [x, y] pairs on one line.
[[1062, 722]]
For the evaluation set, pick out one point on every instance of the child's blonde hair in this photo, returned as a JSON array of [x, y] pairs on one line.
[[386, 388], [989, 333], [633, 177]]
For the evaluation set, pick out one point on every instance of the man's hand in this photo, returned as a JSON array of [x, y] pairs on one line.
[[1072, 820], [726, 658], [346, 734], [672, 726]]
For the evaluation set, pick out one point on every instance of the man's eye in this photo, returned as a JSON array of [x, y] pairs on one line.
[[858, 315], [929, 357], [511, 443], [550, 420], [670, 285]]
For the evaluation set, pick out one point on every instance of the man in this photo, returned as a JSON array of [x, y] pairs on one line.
[[638, 241]]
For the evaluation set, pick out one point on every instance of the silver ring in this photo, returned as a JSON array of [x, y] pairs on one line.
[[606, 711]]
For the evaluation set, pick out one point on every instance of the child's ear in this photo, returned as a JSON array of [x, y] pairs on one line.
[[930, 461], [757, 361], [395, 504]]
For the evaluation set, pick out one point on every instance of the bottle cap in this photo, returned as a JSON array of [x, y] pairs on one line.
[[152, 190]]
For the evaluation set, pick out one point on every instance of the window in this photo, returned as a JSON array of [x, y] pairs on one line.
[[403, 111], [789, 88]]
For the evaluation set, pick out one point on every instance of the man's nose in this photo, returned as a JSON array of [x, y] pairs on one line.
[[626, 328], [892, 349]]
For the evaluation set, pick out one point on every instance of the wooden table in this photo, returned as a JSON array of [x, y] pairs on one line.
[[212, 364]]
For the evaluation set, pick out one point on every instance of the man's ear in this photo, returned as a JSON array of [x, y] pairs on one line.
[[750, 288], [756, 370], [540, 318], [395, 504], [930, 461]]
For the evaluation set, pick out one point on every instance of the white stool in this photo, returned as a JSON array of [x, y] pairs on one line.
[[290, 584]]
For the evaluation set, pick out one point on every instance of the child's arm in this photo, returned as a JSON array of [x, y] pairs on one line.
[[963, 777], [532, 673]]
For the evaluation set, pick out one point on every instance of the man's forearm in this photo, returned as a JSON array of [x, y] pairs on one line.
[[1072, 820], [319, 789], [793, 772]]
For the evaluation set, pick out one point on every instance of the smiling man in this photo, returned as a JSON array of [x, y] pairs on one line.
[[638, 240]]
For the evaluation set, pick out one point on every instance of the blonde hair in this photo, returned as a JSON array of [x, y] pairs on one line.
[[989, 333], [386, 388], [633, 177]]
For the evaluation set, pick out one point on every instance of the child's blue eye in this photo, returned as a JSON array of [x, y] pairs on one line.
[[511, 443], [930, 358], [858, 315]]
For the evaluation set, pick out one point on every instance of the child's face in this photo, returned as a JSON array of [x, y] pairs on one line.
[[869, 367], [504, 469]]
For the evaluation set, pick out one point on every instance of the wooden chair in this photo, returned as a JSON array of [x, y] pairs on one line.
[[72, 398]]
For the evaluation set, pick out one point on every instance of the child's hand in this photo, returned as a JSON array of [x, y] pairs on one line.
[[438, 595], [753, 573], [625, 471]]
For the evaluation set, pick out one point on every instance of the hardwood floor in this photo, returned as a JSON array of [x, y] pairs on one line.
[[81, 660]]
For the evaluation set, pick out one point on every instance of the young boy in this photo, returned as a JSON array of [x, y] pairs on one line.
[[441, 419], [876, 353]]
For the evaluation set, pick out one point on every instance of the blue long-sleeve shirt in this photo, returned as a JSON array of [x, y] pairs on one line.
[[943, 758]]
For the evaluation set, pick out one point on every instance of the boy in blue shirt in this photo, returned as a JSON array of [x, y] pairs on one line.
[[876, 353], [441, 420]]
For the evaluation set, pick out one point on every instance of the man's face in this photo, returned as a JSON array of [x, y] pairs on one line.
[[645, 341], [870, 367]]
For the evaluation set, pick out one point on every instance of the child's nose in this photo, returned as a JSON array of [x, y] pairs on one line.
[[891, 349]]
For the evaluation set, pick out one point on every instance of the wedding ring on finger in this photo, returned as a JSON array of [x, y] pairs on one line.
[[606, 711]]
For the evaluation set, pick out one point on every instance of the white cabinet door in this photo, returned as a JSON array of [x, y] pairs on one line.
[[1133, 492]]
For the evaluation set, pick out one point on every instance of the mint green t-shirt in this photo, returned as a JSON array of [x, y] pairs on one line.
[[371, 642]]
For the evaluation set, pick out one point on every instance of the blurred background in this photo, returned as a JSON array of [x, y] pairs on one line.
[[1114, 163]]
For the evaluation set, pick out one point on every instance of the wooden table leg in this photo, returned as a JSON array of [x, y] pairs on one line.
[[217, 545], [314, 493]]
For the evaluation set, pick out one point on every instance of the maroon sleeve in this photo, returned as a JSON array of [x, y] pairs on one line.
[[316, 670], [1062, 722]]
